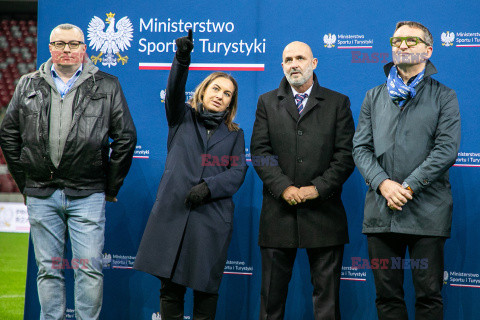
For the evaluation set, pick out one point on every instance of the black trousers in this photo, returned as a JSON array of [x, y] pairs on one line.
[[426, 264], [172, 300], [325, 270]]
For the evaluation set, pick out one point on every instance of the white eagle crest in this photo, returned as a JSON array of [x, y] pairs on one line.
[[107, 257], [110, 42], [329, 40], [447, 38], [6, 217], [106, 260], [156, 316]]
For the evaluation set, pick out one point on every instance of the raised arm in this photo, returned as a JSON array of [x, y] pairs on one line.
[[175, 95]]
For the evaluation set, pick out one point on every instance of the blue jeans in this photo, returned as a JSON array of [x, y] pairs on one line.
[[84, 218]]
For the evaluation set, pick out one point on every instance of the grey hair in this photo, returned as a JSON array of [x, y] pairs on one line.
[[428, 36], [67, 26]]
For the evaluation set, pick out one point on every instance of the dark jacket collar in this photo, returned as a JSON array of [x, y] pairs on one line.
[[285, 94], [429, 69], [220, 133], [285, 89]]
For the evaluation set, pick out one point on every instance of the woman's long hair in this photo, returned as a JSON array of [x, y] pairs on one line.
[[231, 109]]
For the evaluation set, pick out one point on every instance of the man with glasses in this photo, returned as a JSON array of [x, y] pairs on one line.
[[407, 138], [55, 138]]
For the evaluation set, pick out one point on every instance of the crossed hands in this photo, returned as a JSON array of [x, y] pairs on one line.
[[396, 195], [293, 195]]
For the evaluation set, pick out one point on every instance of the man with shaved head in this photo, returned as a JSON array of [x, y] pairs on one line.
[[306, 131]]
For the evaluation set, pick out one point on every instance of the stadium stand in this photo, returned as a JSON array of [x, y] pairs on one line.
[[18, 53]]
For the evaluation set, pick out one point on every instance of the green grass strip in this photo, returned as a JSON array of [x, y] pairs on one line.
[[13, 273]]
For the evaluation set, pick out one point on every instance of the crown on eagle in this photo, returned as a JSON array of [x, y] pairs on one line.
[[110, 15]]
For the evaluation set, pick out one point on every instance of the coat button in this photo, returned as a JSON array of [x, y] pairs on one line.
[[300, 132], [425, 181], [300, 159]]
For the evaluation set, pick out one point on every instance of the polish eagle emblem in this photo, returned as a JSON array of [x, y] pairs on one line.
[[447, 38], [110, 42], [329, 40]]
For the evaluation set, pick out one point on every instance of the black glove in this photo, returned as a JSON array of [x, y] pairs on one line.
[[184, 47], [197, 195]]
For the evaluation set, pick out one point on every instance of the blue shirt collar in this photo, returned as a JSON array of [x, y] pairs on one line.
[[61, 86], [76, 74]]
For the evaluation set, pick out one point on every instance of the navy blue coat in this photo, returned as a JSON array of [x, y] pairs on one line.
[[207, 229]]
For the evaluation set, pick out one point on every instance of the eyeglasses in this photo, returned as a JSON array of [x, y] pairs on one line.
[[409, 41], [71, 44]]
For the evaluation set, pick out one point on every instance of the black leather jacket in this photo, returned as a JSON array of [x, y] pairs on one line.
[[100, 111]]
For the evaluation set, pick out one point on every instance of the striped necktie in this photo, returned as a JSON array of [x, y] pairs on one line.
[[299, 97]]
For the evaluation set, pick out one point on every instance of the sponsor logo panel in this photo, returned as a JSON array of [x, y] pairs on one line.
[[238, 267], [347, 41], [141, 152], [463, 39], [14, 217], [467, 159], [117, 261], [70, 313], [350, 273], [157, 316], [188, 95], [157, 36], [461, 279]]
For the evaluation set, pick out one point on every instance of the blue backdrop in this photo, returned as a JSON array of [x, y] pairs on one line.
[[247, 38]]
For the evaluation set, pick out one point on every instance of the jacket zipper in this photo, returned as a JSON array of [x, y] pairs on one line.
[[60, 131]]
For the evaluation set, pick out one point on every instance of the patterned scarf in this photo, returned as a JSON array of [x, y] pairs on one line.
[[398, 90]]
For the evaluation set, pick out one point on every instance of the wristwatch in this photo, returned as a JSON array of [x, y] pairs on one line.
[[406, 186]]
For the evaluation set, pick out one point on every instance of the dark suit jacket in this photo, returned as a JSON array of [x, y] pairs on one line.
[[313, 149]]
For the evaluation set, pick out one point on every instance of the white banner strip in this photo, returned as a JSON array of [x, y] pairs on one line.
[[354, 47], [14, 217], [205, 66], [353, 279]]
